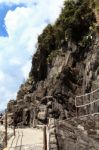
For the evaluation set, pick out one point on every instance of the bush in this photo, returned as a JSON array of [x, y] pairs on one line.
[[76, 18], [74, 22], [46, 39], [52, 55]]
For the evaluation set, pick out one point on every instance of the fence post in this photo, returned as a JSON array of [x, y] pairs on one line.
[[76, 112], [14, 123], [34, 120], [6, 128], [45, 139]]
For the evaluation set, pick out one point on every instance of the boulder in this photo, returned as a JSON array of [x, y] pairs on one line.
[[49, 104], [51, 122], [10, 106], [53, 139], [42, 116], [53, 147], [27, 98], [26, 116]]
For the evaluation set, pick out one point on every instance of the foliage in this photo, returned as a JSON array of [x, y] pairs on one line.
[[98, 9], [87, 39], [46, 39], [30, 79], [52, 55], [76, 18], [74, 22]]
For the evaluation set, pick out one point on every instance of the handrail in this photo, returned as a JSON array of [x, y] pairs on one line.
[[97, 113], [87, 103], [45, 139], [88, 93], [84, 96]]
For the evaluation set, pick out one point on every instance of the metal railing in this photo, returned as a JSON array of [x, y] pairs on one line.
[[89, 103], [91, 97]]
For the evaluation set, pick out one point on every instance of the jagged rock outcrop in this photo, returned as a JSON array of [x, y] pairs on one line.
[[55, 96]]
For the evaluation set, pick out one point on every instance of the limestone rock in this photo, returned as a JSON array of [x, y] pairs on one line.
[[42, 114], [69, 137], [10, 106]]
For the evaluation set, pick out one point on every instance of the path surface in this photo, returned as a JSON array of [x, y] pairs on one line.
[[26, 139]]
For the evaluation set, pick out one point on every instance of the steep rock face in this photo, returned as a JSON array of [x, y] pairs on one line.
[[54, 97], [65, 78], [46, 92]]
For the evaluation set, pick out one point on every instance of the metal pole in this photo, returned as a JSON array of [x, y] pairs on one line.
[[5, 128], [45, 139]]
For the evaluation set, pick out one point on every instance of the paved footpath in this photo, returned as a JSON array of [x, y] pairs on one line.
[[26, 139]]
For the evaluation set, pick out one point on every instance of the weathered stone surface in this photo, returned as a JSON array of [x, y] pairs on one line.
[[27, 98], [49, 104], [69, 137], [52, 131], [51, 122], [53, 147], [53, 139], [42, 116], [11, 105]]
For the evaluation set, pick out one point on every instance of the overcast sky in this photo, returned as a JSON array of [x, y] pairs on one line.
[[21, 21]]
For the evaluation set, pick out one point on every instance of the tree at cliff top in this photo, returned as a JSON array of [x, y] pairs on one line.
[[74, 22], [76, 18]]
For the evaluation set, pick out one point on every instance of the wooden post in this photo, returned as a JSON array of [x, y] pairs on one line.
[[34, 120], [14, 124], [77, 112], [14, 130], [5, 128], [45, 139]]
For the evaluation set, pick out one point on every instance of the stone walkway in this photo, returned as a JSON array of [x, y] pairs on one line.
[[26, 139]]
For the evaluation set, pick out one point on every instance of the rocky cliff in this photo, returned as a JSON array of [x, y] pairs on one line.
[[65, 64]]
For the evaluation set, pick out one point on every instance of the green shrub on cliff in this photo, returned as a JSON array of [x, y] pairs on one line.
[[74, 22], [46, 39], [52, 55], [76, 18]]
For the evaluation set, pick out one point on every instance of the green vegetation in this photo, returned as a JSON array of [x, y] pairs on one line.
[[76, 18], [52, 55], [30, 79], [74, 22], [97, 8], [46, 39]]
